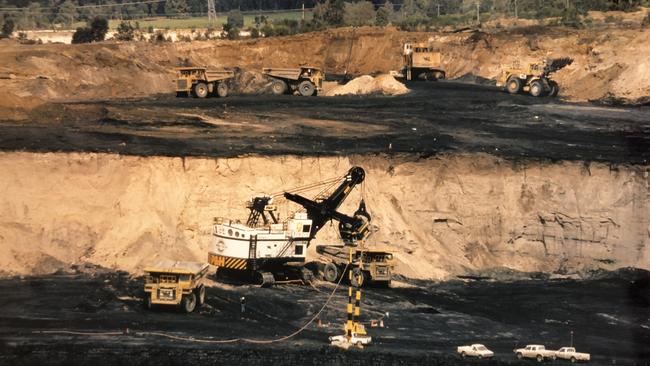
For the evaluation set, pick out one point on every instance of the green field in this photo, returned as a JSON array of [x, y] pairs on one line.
[[202, 22]]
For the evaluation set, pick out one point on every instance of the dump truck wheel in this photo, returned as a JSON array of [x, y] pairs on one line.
[[331, 272], [306, 88], [555, 89], [536, 88], [439, 75], [201, 90], [200, 292], [188, 303], [279, 87], [358, 278], [222, 90], [513, 85]]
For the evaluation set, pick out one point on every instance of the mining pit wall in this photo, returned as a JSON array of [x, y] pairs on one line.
[[443, 216]]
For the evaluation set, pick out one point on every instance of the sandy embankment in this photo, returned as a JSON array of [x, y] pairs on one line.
[[443, 216]]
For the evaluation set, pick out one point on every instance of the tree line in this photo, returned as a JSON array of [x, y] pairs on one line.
[[407, 14]]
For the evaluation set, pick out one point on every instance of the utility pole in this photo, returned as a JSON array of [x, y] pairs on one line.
[[303, 11], [212, 11], [438, 9], [478, 10], [516, 12]]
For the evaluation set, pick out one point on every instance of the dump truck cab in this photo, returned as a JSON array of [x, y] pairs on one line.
[[304, 80], [175, 284], [202, 82]]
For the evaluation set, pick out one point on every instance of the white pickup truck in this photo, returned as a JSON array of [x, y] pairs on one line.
[[536, 351], [569, 353], [475, 350], [356, 339]]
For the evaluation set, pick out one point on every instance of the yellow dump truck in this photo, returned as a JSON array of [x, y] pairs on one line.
[[175, 283], [201, 82], [421, 62], [304, 80], [368, 265], [533, 78]]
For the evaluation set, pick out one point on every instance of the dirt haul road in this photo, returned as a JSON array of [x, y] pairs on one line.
[[433, 118]]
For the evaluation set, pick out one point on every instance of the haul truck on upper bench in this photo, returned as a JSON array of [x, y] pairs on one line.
[[305, 80], [262, 247], [420, 62], [534, 78], [201, 82]]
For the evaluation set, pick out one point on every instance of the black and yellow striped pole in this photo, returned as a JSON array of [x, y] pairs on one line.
[[349, 326], [357, 300], [354, 309]]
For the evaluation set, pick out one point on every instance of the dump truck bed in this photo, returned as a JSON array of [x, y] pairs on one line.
[[210, 74], [341, 252], [177, 267], [286, 73], [215, 75], [291, 74]]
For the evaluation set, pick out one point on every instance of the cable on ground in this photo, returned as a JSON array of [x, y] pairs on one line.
[[202, 340]]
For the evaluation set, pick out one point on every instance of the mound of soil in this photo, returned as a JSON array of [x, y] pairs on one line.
[[366, 84]]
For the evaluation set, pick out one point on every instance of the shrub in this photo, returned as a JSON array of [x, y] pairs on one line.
[[235, 19], [159, 37], [8, 28], [358, 14], [94, 32], [231, 31], [125, 31], [82, 35], [267, 30], [382, 17], [571, 17]]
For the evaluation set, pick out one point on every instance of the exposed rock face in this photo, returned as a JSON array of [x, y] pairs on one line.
[[444, 216]]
